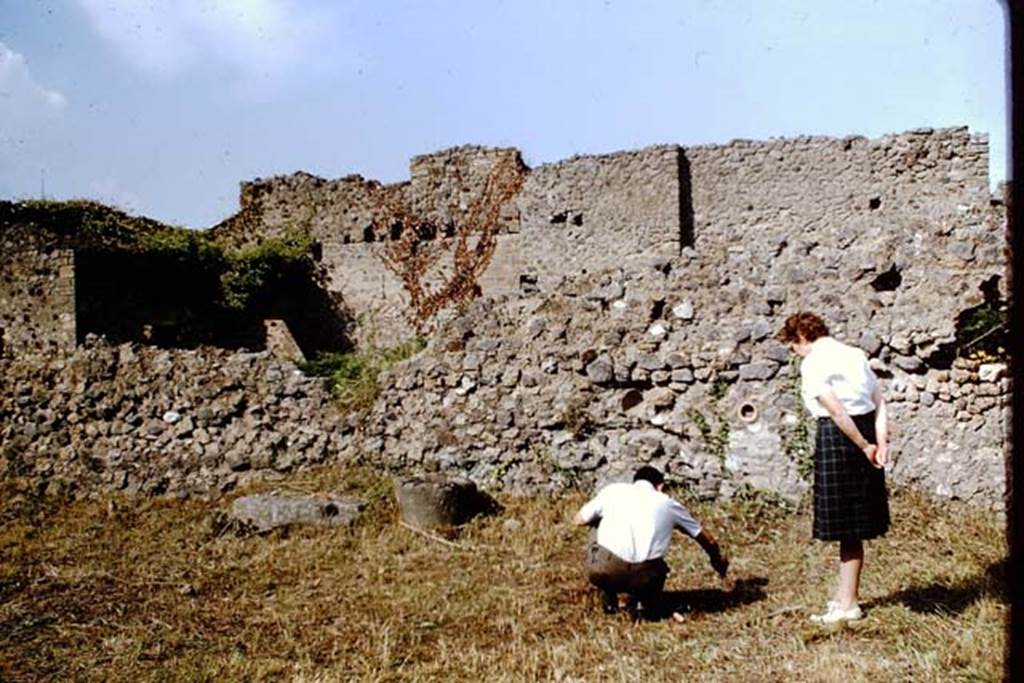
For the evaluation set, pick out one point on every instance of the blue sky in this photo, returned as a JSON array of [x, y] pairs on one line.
[[162, 107]]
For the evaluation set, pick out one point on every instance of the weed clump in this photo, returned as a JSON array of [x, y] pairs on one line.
[[355, 376]]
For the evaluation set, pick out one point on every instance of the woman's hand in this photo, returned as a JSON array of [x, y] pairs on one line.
[[882, 454], [874, 455], [848, 427]]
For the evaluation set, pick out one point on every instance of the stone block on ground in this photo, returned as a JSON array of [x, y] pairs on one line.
[[433, 501], [264, 512]]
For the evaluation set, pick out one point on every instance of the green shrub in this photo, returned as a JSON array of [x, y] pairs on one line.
[[981, 332], [243, 274], [355, 375], [248, 271], [179, 242]]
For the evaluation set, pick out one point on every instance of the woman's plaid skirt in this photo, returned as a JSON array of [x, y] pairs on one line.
[[850, 501]]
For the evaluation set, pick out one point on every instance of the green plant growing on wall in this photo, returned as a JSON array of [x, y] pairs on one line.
[[243, 273], [701, 422], [82, 223], [250, 270], [716, 438], [982, 332], [498, 473], [355, 376], [576, 418], [543, 456], [796, 437], [719, 389], [182, 245]]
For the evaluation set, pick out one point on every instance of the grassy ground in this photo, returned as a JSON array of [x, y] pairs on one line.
[[149, 590]]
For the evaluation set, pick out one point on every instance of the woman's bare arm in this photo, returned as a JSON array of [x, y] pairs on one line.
[[881, 426]]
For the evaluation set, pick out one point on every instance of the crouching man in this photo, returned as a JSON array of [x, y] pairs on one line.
[[634, 528]]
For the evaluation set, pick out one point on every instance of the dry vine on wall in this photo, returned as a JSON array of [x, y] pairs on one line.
[[415, 256]]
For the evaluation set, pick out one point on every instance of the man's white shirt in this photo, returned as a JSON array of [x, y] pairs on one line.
[[637, 520]]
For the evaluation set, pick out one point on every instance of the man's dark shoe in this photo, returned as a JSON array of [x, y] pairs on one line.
[[610, 603]]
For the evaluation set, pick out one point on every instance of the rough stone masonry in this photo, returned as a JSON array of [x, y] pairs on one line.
[[627, 317]]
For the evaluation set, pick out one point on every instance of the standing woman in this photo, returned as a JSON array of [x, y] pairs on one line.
[[850, 451]]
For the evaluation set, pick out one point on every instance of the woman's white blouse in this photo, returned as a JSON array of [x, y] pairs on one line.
[[841, 369]]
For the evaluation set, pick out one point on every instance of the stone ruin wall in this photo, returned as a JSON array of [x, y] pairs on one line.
[[890, 239], [793, 211], [139, 419], [579, 386], [815, 223], [739, 202], [628, 294], [591, 212], [671, 361], [37, 297], [570, 216]]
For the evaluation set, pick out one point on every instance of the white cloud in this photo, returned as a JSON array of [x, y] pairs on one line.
[[31, 122], [253, 37], [22, 99]]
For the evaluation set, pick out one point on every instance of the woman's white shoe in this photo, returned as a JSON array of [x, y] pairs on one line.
[[834, 615]]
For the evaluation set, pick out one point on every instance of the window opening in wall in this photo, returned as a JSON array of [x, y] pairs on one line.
[[368, 235], [888, 281], [981, 331], [395, 231], [874, 203]]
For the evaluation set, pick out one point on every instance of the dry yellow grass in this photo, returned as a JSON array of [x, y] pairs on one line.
[[144, 590]]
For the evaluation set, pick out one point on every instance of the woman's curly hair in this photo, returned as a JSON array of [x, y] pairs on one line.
[[803, 325]]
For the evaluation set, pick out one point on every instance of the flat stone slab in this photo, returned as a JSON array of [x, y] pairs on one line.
[[264, 512]]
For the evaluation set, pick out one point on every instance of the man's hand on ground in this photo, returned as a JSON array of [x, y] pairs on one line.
[[720, 563]]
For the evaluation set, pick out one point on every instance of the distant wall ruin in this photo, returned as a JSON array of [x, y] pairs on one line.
[[592, 212]]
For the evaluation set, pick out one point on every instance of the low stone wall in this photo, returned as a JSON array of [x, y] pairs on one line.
[[522, 394], [144, 420]]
